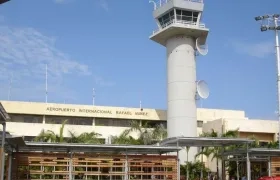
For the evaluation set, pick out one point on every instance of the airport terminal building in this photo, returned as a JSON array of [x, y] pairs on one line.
[[29, 118]]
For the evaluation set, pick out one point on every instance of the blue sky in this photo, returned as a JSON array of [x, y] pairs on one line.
[[104, 44]]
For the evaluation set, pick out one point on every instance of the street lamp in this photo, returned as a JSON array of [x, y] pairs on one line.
[[270, 22]]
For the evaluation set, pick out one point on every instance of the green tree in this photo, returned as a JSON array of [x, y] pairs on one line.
[[273, 145], [216, 152], [124, 138], [159, 133], [145, 134], [50, 136], [143, 131], [194, 170], [86, 137]]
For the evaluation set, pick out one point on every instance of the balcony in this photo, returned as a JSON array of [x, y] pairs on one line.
[[175, 27], [184, 23]]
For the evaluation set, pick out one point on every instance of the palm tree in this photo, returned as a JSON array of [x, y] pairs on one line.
[[146, 134], [194, 169], [87, 138], [216, 151], [50, 136], [255, 144], [159, 133], [273, 145], [124, 138], [143, 132]]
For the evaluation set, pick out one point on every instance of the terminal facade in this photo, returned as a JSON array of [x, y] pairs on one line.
[[28, 119]]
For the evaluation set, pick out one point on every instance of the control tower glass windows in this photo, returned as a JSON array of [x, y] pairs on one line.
[[166, 19], [186, 16]]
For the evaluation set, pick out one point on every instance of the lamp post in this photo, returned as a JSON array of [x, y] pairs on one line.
[[270, 22]]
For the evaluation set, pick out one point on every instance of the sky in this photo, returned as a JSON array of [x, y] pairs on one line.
[[104, 44]]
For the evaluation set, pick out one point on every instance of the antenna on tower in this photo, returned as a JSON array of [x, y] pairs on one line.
[[46, 83], [10, 87], [140, 102], [93, 96]]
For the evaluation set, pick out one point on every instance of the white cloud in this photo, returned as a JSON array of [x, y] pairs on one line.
[[258, 50], [26, 50], [24, 53], [104, 4]]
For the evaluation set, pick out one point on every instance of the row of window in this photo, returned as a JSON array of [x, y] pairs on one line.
[[183, 15], [85, 121]]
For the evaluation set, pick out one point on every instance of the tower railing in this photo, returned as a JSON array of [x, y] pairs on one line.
[[160, 3], [180, 22]]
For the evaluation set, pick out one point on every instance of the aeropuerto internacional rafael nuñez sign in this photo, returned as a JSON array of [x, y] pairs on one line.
[[97, 111]]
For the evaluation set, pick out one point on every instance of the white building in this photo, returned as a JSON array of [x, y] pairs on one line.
[[29, 118]]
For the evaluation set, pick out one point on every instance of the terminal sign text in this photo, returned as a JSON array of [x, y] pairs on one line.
[[97, 111]]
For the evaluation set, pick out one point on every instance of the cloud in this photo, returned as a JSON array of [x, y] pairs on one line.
[[258, 50], [24, 54], [104, 4]]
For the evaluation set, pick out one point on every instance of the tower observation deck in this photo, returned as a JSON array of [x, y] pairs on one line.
[[180, 30]]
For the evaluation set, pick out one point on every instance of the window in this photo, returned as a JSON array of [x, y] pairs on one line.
[[23, 118], [70, 120], [199, 123], [187, 16], [263, 143], [166, 18], [112, 122], [29, 138], [153, 124]]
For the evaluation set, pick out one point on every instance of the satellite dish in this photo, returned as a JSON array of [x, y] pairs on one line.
[[202, 89], [201, 48]]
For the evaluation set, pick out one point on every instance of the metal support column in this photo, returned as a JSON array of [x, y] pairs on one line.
[[270, 22], [3, 151], [201, 170], [269, 166], [126, 167], [178, 162], [223, 164], [187, 148], [248, 163], [70, 166], [10, 166], [237, 170], [278, 74]]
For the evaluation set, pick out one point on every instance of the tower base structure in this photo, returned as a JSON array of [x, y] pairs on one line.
[[181, 89]]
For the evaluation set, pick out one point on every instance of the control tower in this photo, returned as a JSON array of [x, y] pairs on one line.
[[184, 36]]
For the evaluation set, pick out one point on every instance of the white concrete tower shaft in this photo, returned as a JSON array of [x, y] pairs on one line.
[[181, 86], [179, 27]]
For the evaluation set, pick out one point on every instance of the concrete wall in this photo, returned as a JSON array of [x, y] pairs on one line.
[[34, 108], [263, 130]]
